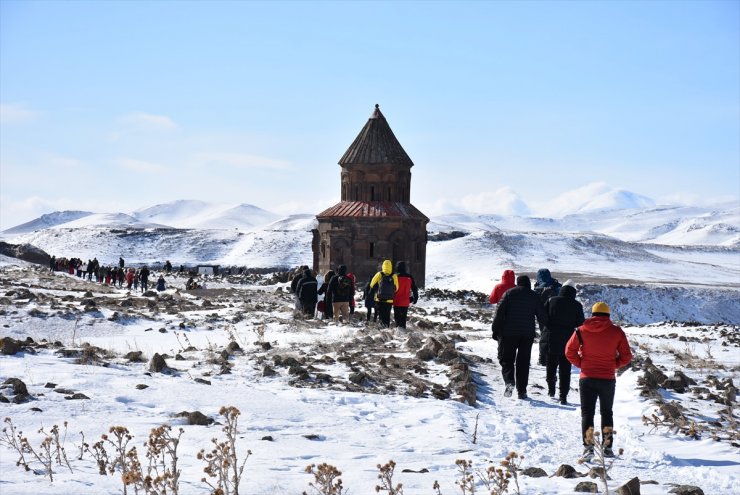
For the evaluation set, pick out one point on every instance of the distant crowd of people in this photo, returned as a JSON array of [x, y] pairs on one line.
[[113, 275]]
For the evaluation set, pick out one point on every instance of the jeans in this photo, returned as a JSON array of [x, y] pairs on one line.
[[591, 390], [514, 355]]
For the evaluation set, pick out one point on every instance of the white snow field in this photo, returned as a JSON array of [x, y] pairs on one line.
[[353, 428]]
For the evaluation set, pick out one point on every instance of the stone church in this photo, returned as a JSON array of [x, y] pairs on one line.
[[375, 219]]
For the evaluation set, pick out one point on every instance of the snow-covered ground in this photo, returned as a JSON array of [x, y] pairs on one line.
[[351, 426]]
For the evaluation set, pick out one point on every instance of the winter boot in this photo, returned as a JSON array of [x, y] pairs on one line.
[[588, 453], [563, 401], [509, 390], [608, 452]]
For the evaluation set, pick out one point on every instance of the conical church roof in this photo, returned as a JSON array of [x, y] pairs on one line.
[[376, 144]]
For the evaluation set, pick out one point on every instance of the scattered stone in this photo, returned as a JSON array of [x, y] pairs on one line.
[[312, 436], [18, 387], [420, 471], [77, 396], [358, 377], [568, 471], [233, 347], [267, 438], [687, 490], [141, 386], [429, 350], [36, 409], [195, 418], [587, 487], [178, 357], [632, 487], [64, 391], [9, 346], [534, 472], [134, 357], [162, 330], [157, 364], [4, 400], [268, 371], [671, 410], [50, 385], [598, 472], [203, 381], [266, 346]]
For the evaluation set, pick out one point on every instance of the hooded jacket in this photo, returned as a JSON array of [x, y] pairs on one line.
[[605, 348], [333, 285], [507, 282], [516, 313], [386, 269], [407, 292], [546, 286], [564, 315], [306, 289]]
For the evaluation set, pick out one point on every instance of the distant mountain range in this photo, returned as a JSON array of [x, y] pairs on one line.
[[596, 209], [181, 214]]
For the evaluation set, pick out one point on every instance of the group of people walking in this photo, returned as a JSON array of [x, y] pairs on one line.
[[386, 291], [112, 275], [595, 345]]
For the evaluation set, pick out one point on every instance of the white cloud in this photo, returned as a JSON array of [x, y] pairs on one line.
[[240, 160], [503, 201], [141, 166], [16, 113], [148, 121]]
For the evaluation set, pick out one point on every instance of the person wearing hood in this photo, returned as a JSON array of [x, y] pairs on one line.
[[514, 328], [406, 294], [384, 285], [342, 292], [297, 274], [598, 348], [161, 284], [546, 287], [507, 282], [564, 315], [324, 289], [306, 291]]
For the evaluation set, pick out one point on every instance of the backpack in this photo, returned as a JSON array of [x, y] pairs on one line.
[[386, 288], [344, 286]]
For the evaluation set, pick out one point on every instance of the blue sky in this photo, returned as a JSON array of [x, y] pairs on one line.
[[113, 106]]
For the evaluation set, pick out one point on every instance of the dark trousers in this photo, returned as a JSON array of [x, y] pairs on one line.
[[399, 314], [514, 355], [370, 313], [558, 366], [384, 311], [309, 308], [591, 390], [542, 360]]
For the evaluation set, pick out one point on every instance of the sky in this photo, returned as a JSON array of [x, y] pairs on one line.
[[115, 106]]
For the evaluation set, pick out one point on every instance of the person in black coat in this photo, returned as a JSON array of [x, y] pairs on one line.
[[564, 315], [328, 301], [514, 328], [306, 291]]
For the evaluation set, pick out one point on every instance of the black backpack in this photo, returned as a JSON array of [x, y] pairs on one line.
[[386, 288], [344, 286]]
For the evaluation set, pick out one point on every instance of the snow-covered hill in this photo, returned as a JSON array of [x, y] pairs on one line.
[[47, 221], [190, 214]]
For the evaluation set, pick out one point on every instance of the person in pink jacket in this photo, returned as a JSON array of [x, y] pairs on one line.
[[598, 348]]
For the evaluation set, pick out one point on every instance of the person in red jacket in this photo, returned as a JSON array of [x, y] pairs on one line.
[[508, 280], [406, 294], [598, 348]]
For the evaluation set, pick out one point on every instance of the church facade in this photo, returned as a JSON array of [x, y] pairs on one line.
[[375, 219]]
